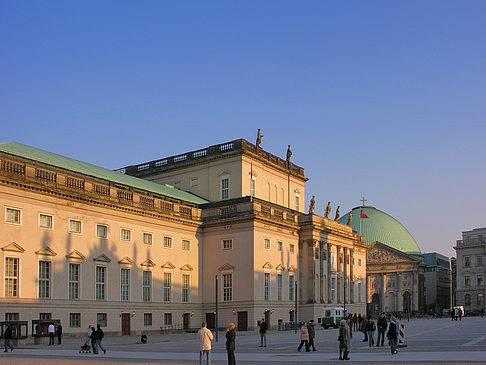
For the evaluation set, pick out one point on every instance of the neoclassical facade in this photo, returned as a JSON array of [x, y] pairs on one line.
[[141, 249]]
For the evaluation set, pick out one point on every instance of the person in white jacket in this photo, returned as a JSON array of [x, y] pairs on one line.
[[205, 337]]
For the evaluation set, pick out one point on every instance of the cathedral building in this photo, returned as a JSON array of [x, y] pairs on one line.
[[160, 244]]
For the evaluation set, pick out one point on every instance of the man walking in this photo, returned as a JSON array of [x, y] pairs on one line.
[[263, 333], [382, 325], [312, 335], [50, 331], [99, 334], [205, 337], [392, 335], [7, 335]]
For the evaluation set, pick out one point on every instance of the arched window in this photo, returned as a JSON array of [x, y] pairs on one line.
[[467, 300], [480, 300]]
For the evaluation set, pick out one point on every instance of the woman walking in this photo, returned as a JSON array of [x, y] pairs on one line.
[[304, 338]]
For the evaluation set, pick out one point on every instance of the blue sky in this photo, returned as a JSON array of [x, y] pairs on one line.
[[384, 99]]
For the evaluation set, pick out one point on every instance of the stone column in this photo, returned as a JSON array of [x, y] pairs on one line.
[[415, 291], [321, 270], [351, 276], [329, 270], [339, 275], [383, 292], [311, 272], [399, 293]]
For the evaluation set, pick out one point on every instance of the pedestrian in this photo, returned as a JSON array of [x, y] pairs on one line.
[[59, 333], [7, 335], [263, 333], [482, 312], [355, 322], [99, 334], [370, 331], [392, 335], [363, 329], [304, 337], [460, 314], [382, 325], [50, 331], [344, 340], [312, 335], [360, 322], [205, 337], [92, 338], [230, 343]]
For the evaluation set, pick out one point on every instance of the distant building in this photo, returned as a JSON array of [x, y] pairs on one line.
[[437, 282], [471, 270]]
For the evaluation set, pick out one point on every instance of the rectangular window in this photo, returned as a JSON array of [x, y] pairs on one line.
[[101, 319], [479, 260], [167, 319], [100, 282], [280, 246], [185, 288], [147, 239], [12, 215], [167, 286], [291, 287], [75, 320], [227, 287], [333, 289], [267, 287], [125, 285], [359, 262], [227, 244], [45, 221], [44, 279], [147, 286], [11, 317], [125, 234], [359, 293], [73, 281], [225, 188], [186, 245], [266, 243], [11, 277], [74, 226], [279, 287], [167, 242], [101, 231], [467, 261], [291, 248], [147, 319], [467, 281], [480, 300], [480, 281]]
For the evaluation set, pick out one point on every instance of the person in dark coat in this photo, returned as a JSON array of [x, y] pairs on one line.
[[263, 333], [312, 335], [392, 335], [344, 340], [382, 325], [230, 343], [7, 335], [59, 333]]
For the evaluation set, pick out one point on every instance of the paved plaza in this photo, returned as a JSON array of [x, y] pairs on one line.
[[428, 341]]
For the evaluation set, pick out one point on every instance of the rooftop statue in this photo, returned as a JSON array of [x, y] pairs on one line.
[[337, 214], [312, 205], [350, 218], [259, 139], [289, 154], [328, 210]]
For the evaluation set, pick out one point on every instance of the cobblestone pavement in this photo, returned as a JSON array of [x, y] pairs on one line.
[[428, 341]]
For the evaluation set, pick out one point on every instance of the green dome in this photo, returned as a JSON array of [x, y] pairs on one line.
[[383, 228]]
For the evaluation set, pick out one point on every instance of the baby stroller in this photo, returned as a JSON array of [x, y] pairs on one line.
[[86, 348]]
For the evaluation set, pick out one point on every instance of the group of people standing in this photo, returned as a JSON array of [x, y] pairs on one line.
[[94, 338], [205, 338]]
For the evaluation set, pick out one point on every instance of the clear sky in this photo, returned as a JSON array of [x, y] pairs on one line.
[[382, 99]]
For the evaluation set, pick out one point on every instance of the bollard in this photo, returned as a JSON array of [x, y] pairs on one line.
[[401, 335]]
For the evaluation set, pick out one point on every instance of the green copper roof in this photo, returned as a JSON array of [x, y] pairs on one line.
[[53, 159], [383, 228]]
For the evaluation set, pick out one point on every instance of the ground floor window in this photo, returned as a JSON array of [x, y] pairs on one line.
[[167, 319], [147, 319], [101, 319], [74, 320]]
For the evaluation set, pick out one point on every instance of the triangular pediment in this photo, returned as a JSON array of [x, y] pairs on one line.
[[226, 267], [126, 261], [268, 266], [102, 258], [292, 268], [379, 253], [148, 263], [76, 255], [46, 251], [168, 265], [187, 267], [13, 247], [280, 267]]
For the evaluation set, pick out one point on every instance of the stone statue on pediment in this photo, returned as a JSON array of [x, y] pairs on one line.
[[350, 218], [312, 205], [258, 139], [328, 210], [336, 217], [289, 154]]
